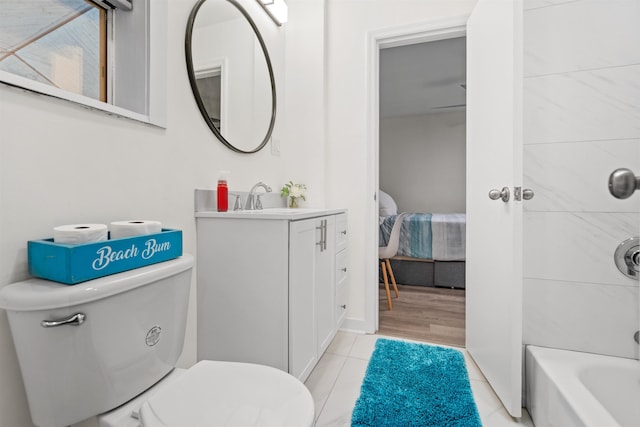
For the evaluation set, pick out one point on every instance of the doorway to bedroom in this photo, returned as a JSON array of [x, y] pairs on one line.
[[422, 172]]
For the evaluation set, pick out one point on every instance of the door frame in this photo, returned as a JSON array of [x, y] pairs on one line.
[[428, 31]]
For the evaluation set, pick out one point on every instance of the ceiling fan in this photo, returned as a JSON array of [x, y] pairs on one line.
[[450, 106], [463, 86]]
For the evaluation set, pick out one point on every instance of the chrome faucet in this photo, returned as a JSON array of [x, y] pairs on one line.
[[251, 199]]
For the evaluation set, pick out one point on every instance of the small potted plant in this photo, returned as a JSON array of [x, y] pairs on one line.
[[293, 192]]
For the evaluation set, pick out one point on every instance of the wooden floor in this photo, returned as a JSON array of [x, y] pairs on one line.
[[424, 314]]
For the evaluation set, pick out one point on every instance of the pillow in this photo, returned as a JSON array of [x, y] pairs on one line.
[[387, 206]]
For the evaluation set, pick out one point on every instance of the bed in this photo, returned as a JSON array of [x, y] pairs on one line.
[[433, 236], [432, 246]]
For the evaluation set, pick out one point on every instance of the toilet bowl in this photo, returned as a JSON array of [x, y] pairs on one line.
[[215, 393], [108, 348]]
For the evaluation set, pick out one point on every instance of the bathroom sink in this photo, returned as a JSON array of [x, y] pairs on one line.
[[270, 213], [275, 211], [205, 207]]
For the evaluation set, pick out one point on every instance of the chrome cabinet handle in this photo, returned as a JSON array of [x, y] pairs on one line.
[[622, 183], [74, 320], [497, 194], [321, 228], [344, 269], [323, 235], [344, 232], [326, 222]]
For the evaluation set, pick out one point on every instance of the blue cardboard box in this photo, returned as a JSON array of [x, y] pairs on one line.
[[72, 264]]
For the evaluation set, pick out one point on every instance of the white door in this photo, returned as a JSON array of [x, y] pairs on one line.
[[494, 227]]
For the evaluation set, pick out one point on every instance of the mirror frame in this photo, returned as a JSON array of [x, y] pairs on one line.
[[193, 80]]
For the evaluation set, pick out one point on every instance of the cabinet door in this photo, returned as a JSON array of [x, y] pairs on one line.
[[311, 292], [242, 291], [302, 336], [324, 282]]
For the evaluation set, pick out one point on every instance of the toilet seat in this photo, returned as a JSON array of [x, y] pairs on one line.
[[213, 393]]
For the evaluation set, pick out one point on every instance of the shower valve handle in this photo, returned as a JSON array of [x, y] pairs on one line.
[[622, 183]]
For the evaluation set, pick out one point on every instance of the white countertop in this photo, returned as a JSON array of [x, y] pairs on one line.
[[290, 214]]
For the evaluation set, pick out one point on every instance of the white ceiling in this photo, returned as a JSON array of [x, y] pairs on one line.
[[423, 78]]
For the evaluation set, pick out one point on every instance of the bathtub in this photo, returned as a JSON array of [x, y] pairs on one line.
[[569, 388]]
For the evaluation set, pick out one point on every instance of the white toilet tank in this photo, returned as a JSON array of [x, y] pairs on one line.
[[131, 334]]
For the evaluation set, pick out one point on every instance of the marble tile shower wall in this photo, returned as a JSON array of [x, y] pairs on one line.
[[581, 121]]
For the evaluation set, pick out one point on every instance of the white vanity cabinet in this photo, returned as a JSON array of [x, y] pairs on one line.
[[267, 289]]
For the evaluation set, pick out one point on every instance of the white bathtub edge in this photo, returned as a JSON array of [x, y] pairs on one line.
[[565, 401]]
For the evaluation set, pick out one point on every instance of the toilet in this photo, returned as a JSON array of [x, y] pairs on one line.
[[108, 348]]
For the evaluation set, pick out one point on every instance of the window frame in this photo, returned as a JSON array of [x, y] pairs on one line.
[[155, 33]]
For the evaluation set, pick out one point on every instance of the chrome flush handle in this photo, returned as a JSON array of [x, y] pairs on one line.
[[74, 320]]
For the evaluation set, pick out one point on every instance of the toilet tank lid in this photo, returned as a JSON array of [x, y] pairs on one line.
[[39, 294]]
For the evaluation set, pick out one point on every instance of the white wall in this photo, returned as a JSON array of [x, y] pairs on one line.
[[60, 164], [348, 24], [582, 121], [423, 161], [304, 118]]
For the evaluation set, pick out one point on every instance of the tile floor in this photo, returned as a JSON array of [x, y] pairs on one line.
[[335, 384]]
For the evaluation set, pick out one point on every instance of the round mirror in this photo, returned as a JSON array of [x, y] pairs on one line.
[[230, 74]]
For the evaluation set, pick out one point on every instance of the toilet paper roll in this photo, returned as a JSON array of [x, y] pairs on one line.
[[120, 229], [75, 234]]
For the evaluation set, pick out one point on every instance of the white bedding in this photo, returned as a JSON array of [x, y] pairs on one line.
[[448, 236]]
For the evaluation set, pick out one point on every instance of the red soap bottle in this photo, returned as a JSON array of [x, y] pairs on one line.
[[223, 192]]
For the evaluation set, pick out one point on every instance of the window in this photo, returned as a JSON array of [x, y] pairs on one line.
[[62, 44], [106, 54]]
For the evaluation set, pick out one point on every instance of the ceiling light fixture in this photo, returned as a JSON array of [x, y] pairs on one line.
[[276, 9]]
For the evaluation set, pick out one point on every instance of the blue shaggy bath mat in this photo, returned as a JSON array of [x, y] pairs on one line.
[[410, 384]]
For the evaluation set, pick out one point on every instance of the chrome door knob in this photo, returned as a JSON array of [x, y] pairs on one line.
[[527, 194], [500, 194]]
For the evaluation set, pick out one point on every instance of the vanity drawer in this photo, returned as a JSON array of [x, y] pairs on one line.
[[341, 232], [341, 267]]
